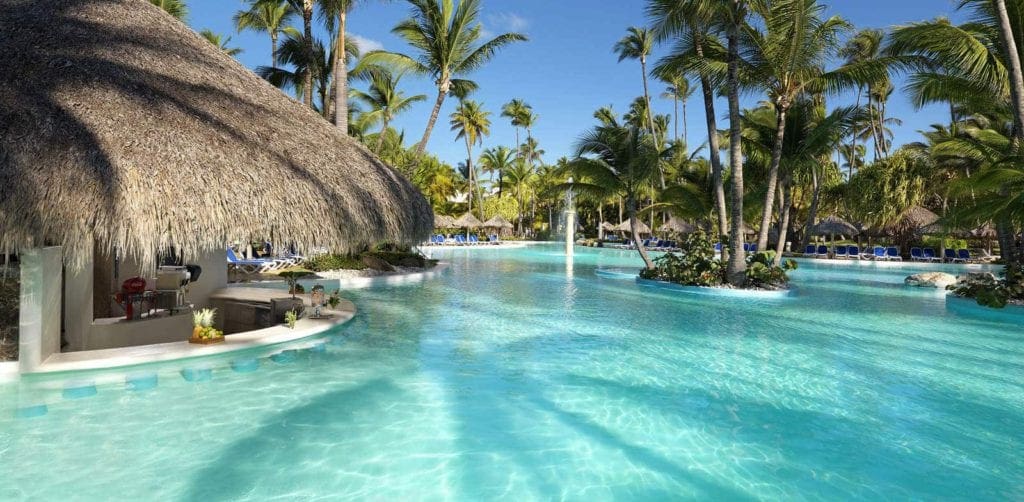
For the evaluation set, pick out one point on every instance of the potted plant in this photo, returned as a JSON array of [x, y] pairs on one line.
[[290, 318], [292, 275], [334, 299], [203, 331]]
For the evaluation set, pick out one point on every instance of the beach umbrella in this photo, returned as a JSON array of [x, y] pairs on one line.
[[834, 225], [443, 221], [678, 226], [641, 227], [748, 230], [498, 222], [467, 221], [913, 220], [607, 227]]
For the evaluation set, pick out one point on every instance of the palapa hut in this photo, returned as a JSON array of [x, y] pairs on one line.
[[443, 221], [499, 223], [677, 226], [641, 228], [125, 134]]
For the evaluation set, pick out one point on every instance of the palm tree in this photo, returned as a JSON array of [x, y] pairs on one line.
[[866, 45], [514, 110], [445, 37], [384, 99], [267, 16], [498, 160], [176, 8], [700, 54], [637, 44], [472, 123], [293, 53], [618, 161], [606, 116], [335, 12], [307, 38], [678, 90], [520, 178], [786, 58], [220, 41], [734, 16]]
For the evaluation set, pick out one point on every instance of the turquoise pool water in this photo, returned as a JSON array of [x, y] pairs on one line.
[[515, 377]]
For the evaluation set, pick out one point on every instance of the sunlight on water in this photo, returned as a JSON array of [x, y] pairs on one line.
[[514, 376]]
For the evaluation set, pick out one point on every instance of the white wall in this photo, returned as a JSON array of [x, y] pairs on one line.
[[40, 306]]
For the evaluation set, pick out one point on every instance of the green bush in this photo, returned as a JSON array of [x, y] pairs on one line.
[[992, 292], [327, 262], [935, 242], [695, 265], [404, 258], [761, 273]]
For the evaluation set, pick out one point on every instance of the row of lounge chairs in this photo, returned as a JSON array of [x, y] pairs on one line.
[[650, 244], [461, 240], [261, 265], [891, 253], [747, 247]]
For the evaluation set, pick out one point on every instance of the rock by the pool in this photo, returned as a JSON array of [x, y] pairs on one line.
[[931, 280]]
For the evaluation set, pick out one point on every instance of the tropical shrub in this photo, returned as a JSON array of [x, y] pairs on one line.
[[990, 291], [325, 262], [506, 206], [761, 273], [695, 265]]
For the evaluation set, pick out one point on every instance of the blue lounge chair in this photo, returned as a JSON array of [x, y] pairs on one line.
[[928, 254], [718, 247], [893, 253], [494, 239], [253, 266], [879, 253], [853, 252], [822, 252], [964, 255], [916, 254], [474, 240], [753, 247], [460, 240], [950, 255], [809, 251], [841, 252]]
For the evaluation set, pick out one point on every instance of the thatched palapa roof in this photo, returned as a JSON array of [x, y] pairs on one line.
[[443, 221], [120, 124], [467, 221], [677, 225], [834, 225], [641, 227], [498, 221]]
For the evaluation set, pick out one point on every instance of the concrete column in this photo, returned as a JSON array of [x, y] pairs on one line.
[[40, 309], [78, 305]]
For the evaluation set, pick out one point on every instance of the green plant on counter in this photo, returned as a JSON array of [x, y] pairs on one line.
[[290, 318], [334, 299]]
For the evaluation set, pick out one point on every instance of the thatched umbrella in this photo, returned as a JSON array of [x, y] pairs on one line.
[[913, 220], [498, 222], [607, 227], [122, 128], [443, 221], [833, 225], [678, 226], [748, 230], [641, 227], [467, 221]]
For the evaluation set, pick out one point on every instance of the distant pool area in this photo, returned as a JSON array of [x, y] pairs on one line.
[[514, 375]]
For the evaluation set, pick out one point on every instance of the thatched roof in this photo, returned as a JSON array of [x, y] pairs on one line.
[[914, 219], [608, 227], [120, 124], [834, 225], [498, 221], [467, 221], [677, 225], [641, 227], [443, 221]]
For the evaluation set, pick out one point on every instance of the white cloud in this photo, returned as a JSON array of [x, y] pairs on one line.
[[503, 22], [366, 44]]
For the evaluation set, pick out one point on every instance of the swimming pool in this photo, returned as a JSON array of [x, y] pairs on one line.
[[514, 376]]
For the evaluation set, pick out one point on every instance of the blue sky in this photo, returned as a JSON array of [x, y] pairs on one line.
[[567, 69]]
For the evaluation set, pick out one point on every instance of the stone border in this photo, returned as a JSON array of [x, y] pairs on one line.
[[720, 292]]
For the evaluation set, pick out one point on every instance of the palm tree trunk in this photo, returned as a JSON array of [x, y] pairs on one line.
[[773, 175], [650, 115], [380, 136], [600, 218], [812, 212], [684, 121], [853, 150], [307, 77], [675, 116], [273, 49], [871, 121], [1004, 228], [631, 209], [469, 172], [736, 268], [620, 211], [341, 76], [442, 91], [713, 149], [785, 197]]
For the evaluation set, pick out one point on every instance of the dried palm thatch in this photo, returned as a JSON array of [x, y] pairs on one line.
[[443, 221], [498, 221], [913, 220], [641, 227], [120, 125], [678, 226], [467, 221], [834, 225], [607, 227]]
